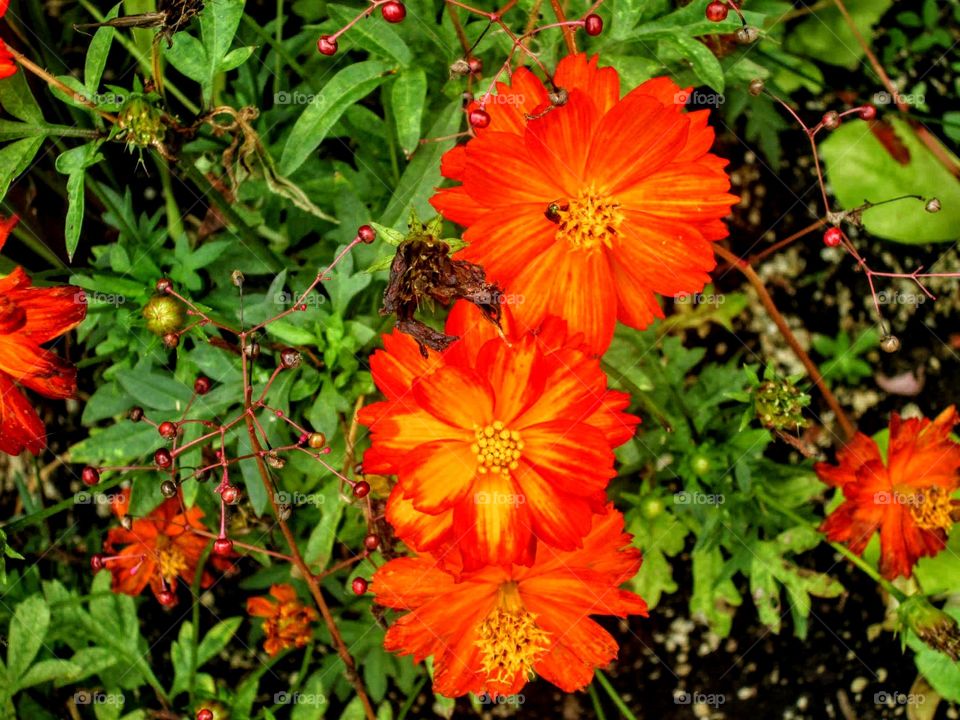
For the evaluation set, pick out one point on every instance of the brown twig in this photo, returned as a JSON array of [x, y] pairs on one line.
[[849, 430], [568, 35]]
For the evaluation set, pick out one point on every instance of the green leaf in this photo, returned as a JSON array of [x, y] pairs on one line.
[[154, 390], [73, 163], [217, 639], [859, 167], [408, 96], [826, 36], [345, 88], [702, 60], [97, 53], [311, 702], [941, 672], [375, 37], [28, 628], [423, 173], [16, 99], [320, 544], [63, 671], [15, 158]]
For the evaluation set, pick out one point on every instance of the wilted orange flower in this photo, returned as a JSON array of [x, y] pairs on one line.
[[490, 630], [591, 208], [495, 443], [29, 317], [286, 621], [908, 498], [157, 550]]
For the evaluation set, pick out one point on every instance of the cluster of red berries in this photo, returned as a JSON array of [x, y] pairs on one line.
[[393, 11]]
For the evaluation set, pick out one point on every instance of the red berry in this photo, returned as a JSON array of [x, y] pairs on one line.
[[202, 385], [167, 429], [167, 597], [229, 494], [361, 489], [222, 546], [717, 11], [136, 414], [359, 586], [164, 285], [393, 11], [171, 340], [476, 65], [832, 237], [366, 234], [163, 458], [204, 714], [593, 24], [371, 542], [867, 112], [289, 358], [479, 118], [97, 562], [90, 475], [327, 45]]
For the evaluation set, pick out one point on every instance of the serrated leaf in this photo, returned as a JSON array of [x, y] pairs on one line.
[[28, 628], [345, 88]]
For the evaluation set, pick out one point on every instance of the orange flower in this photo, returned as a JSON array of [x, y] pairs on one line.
[[489, 630], [29, 317], [8, 65], [589, 209], [159, 549], [286, 621], [908, 498], [495, 444]]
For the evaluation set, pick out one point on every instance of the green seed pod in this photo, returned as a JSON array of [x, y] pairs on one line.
[[141, 122], [164, 315]]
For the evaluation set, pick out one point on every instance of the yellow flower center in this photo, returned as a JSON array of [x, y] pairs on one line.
[[497, 448], [588, 221], [510, 640], [932, 509], [171, 560]]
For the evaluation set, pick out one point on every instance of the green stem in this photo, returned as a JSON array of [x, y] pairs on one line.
[[412, 698], [615, 696], [842, 549], [195, 617], [280, 50], [595, 698], [174, 219], [34, 243]]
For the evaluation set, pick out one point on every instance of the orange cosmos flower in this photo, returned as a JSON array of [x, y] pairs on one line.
[[30, 317], [489, 630], [286, 621], [156, 550], [591, 208], [495, 443], [908, 498], [8, 65]]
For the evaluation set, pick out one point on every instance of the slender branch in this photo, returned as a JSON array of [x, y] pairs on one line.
[[845, 423]]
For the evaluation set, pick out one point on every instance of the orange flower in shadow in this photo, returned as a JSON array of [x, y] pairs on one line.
[[158, 550], [30, 317], [908, 498], [8, 65], [592, 208], [497, 443], [286, 621], [491, 629]]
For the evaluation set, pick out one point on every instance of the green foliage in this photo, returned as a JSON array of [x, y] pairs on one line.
[[842, 355]]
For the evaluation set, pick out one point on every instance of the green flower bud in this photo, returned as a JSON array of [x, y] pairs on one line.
[[164, 315]]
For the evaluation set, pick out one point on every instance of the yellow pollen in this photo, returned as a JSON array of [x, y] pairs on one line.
[[497, 448], [511, 643], [588, 221], [933, 508], [171, 560]]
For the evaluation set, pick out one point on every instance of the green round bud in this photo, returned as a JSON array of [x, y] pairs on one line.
[[164, 315]]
